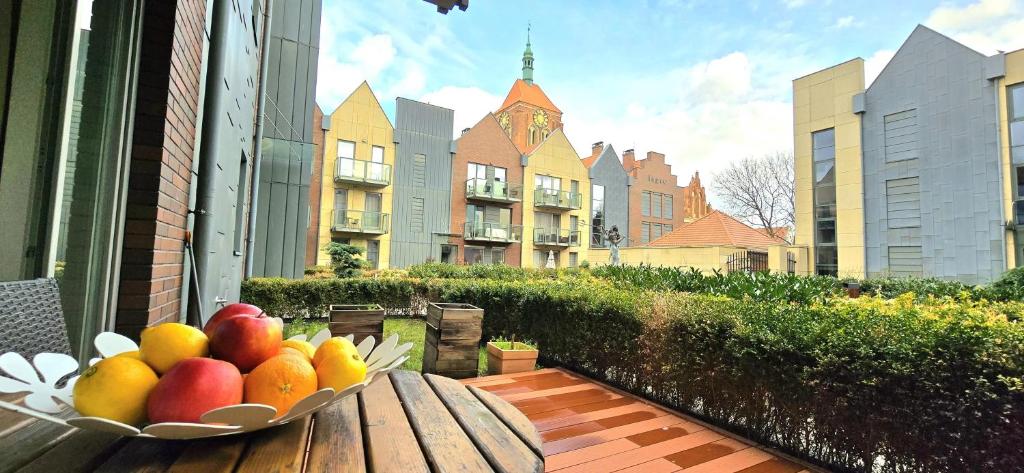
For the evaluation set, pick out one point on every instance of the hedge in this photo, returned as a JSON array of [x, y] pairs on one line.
[[854, 385]]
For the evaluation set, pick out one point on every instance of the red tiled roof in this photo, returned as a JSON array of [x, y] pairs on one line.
[[590, 160], [717, 228], [780, 232], [529, 93]]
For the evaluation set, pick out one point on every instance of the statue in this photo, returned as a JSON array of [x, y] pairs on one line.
[[551, 260], [614, 238]]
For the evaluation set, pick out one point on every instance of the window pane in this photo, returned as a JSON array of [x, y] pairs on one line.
[[598, 192], [826, 232], [1018, 154], [378, 155], [1017, 101], [1020, 181], [824, 173], [346, 149], [825, 195], [825, 211], [1017, 133], [499, 174], [824, 139]]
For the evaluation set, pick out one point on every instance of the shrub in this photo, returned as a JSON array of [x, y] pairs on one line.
[[345, 259], [1010, 287], [891, 287], [311, 298]]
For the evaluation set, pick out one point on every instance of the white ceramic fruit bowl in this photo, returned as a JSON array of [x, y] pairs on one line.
[[46, 401]]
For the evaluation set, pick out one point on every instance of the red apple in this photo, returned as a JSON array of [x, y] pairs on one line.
[[192, 387], [227, 312], [246, 341]]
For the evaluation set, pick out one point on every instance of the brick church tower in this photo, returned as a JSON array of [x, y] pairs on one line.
[[528, 116]]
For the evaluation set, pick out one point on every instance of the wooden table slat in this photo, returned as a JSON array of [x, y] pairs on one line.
[[511, 416], [141, 455], [31, 439], [218, 454], [447, 446], [503, 448], [278, 449], [336, 443], [81, 451], [391, 444]]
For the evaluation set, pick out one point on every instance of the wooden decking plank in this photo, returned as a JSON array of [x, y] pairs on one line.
[[645, 454], [336, 441], [658, 465], [705, 453], [587, 454], [546, 381], [504, 450], [612, 422], [512, 376], [217, 454], [447, 447], [563, 401], [775, 465], [391, 444], [732, 462], [597, 437], [514, 419], [546, 392], [67, 456], [573, 418], [599, 405], [278, 449], [143, 455]]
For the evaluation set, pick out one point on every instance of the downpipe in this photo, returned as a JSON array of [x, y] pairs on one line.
[[257, 161]]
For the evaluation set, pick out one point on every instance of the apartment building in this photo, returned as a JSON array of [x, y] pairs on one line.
[[357, 187], [609, 195], [555, 212], [656, 201], [918, 174]]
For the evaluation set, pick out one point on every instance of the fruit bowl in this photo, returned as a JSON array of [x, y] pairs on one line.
[[48, 402]]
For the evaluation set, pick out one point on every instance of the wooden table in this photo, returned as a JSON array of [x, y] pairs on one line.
[[404, 422]]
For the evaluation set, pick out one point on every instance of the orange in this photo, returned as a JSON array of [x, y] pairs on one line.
[[300, 346], [280, 382], [115, 388], [333, 346], [134, 354], [165, 345], [340, 372]]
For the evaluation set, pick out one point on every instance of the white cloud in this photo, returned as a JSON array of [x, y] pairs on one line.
[[874, 64], [986, 25], [339, 76], [469, 103], [795, 3], [845, 22]]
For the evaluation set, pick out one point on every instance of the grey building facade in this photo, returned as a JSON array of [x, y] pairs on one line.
[[931, 164], [286, 165], [422, 182], [609, 191]]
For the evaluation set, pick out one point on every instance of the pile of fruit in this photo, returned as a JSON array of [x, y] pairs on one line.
[[181, 372]]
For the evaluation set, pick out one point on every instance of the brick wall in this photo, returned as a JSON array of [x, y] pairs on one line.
[[486, 143], [654, 175], [167, 107], [312, 245]]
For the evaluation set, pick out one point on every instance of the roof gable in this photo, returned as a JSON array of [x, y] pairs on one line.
[[717, 229], [489, 125], [921, 34], [528, 93], [363, 93]]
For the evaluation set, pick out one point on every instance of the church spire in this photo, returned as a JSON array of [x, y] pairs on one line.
[[528, 59]]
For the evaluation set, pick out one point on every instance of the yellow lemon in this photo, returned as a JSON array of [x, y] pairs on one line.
[[341, 371], [331, 347], [134, 354], [165, 345], [115, 388], [300, 346]]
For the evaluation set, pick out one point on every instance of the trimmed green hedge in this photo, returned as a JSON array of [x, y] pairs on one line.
[[854, 385]]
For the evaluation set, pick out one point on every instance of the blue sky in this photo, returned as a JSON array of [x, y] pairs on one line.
[[705, 82]]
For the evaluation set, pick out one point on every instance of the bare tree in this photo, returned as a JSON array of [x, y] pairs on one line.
[[759, 191]]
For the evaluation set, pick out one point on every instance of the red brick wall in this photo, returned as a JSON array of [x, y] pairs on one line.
[[654, 175], [521, 117], [485, 143], [166, 109], [312, 233]]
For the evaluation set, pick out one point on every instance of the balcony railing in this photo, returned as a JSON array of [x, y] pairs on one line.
[[358, 221], [493, 191], [556, 237], [362, 172], [557, 199], [493, 232]]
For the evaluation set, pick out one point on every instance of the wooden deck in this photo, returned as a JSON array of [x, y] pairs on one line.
[[589, 427]]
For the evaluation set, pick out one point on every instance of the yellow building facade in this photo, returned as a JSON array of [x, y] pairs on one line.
[[1013, 172], [831, 226], [556, 205], [358, 171]]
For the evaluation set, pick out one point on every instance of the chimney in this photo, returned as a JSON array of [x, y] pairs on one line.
[[628, 160], [596, 148], [656, 155], [465, 130]]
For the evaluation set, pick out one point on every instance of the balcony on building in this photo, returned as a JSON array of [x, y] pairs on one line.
[[492, 232], [365, 173], [490, 190], [359, 221], [556, 237], [557, 199]]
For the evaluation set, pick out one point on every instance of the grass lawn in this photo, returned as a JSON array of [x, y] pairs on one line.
[[408, 330]]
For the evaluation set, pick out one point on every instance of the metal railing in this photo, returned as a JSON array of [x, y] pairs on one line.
[[362, 172], [556, 237], [557, 199], [358, 221], [493, 232], [492, 190]]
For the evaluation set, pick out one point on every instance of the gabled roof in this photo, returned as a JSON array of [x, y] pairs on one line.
[[528, 93], [364, 90], [606, 152], [717, 229]]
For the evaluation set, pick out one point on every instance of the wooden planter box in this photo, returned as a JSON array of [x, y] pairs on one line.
[[453, 340], [360, 320], [516, 360]]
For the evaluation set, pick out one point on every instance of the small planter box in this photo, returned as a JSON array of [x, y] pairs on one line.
[[519, 358], [453, 340], [360, 320]]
